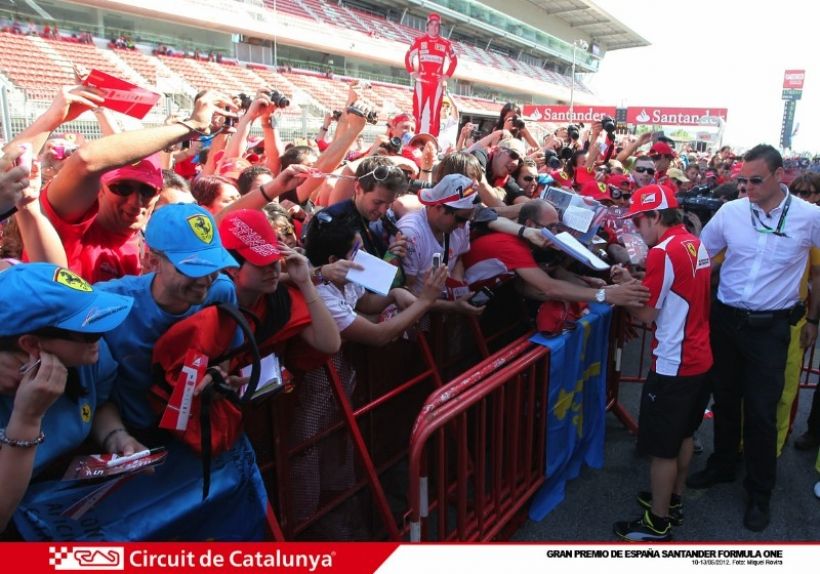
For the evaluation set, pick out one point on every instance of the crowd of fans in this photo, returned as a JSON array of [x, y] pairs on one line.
[[125, 236]]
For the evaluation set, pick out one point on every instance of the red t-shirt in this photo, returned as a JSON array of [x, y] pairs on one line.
[[494, 257], [94, 253], [677, 276]]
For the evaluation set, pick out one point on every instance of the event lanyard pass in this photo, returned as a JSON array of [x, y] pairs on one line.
[[778, 229]]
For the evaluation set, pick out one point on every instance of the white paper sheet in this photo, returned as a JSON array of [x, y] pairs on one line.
[[377, 275], [575, 249]]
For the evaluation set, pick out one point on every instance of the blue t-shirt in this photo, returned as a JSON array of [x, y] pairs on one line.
[[67, 422], [132, 343]]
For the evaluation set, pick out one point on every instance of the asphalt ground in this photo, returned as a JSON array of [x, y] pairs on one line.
[[600, 497]]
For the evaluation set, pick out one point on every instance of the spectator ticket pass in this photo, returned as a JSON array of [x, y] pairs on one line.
[[96, 466], [122, 96]]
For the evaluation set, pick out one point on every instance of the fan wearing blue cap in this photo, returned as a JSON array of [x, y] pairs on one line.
[[187, 255], [65, 376]]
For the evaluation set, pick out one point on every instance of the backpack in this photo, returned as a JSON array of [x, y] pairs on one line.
[[210, 423]]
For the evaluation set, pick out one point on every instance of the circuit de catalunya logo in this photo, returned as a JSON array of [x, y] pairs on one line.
[[87, 557]]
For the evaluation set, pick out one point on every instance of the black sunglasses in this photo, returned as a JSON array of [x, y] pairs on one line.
[[802, 192], [528, 178], [616, 193], [754, 180], [458, 218], [57, 333], [513, 155], [126, 188], [649, 170]]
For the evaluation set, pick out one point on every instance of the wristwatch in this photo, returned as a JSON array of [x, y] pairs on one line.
[[600, 296]]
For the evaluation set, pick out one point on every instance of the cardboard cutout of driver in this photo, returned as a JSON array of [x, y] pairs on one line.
[[431, 51]]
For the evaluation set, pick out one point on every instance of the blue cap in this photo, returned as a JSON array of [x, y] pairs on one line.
[[51, 296], [186, 234]]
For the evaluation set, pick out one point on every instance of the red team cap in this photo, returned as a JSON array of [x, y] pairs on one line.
[[661, 148], [399, 118], [433, 17], [248, 232], [622, 182], [147, 171], [652, 198], [596, 190]]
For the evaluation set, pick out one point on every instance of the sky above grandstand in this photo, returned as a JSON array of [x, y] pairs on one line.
[[725, 54]]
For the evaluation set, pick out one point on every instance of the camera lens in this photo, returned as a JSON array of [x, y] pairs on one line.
[[608, 124], [573, 132], [566, 153]]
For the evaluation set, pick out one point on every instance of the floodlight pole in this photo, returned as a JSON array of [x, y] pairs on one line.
[[575, 45]]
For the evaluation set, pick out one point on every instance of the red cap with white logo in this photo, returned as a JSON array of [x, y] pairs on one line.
[[652, 198]]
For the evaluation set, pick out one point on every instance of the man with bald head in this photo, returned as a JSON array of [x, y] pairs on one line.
[[497, 257]]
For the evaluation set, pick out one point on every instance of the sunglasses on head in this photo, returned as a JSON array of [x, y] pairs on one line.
[[382, 172], [62, 334], [126, 188], [649, 170]]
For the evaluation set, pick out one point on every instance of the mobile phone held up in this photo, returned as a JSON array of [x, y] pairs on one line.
[[436, 260], [481, 297], [26, 157]]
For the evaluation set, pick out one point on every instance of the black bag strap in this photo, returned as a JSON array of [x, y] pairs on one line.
[[205, 401], [250, 346]]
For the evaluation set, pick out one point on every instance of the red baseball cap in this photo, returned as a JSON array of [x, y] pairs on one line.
[[248, 232], [652, 198], [146, 170], [433, 17], [596, 190], [622, 182], [661, 148], [399, 118]]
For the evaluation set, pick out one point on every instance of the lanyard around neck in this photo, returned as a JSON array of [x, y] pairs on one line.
[[778, 229]]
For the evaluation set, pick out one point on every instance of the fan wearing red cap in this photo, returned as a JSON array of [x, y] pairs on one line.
[[662, 154], [284, 310], [672, 403], [108, 188], [425, 62]]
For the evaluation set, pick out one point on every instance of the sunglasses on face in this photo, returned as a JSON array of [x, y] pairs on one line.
[[649, 170], [802, 192], [528, 178], [457, 217], [126, 188], [754, 180], [513, 155]]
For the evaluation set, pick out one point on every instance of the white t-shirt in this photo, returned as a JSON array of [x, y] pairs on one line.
[[421, 244], [341, 303]]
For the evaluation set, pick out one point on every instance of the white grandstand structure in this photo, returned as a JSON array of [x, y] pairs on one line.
[[521, 50]]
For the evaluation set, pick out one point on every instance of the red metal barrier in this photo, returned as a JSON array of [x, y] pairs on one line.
[[489, 451]]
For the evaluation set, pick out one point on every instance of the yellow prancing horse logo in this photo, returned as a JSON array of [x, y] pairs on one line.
[[202, 227], [85, 412], [71, 280]]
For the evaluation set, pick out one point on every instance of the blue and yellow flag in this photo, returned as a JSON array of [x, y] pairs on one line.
[[577, 403]]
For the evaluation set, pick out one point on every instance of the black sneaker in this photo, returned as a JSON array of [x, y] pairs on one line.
[[707, 477], [644, 529], [675, 509]]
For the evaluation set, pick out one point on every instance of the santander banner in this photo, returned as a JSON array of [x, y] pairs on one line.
[[557, 113], [793, 79], [675, 116]]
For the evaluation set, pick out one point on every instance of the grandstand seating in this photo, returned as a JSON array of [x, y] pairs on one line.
[[38, 66]]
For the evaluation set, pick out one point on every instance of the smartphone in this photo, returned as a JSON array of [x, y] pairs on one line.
[[436, 260], [26, 157], [481, 297]]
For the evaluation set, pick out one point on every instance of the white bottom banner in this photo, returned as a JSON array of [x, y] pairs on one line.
[[626, 559]]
